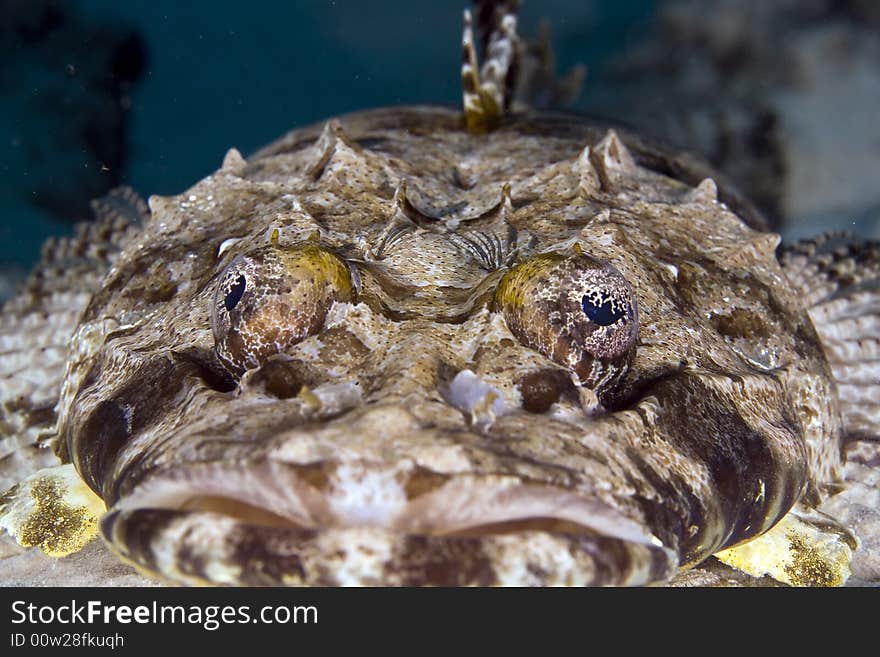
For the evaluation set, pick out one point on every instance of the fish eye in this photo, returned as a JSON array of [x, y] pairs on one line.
[[271, 298], [578, 311]]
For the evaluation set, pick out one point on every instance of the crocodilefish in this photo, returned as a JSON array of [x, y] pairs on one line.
[[434, 346]]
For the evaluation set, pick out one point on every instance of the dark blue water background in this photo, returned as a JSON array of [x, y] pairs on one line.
[[231, 73]]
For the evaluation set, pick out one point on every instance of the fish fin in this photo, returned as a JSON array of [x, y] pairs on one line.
[[516, 74], [805, 548], [484, 88], [36, 326], [857, 506], [838, 277]]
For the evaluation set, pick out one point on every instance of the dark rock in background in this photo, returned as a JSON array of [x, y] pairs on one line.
[[781, 95], [65, 81], [77, 76]]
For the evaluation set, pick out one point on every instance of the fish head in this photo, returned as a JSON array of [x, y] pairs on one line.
[[401, 353]]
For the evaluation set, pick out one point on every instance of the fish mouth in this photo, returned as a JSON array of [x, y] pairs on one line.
[[408, 493], [358, 523]]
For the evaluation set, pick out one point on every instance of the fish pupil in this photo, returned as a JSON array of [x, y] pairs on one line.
[[603, 314], [235, 293]]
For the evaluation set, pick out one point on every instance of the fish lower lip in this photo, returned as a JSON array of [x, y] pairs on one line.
[[197, 547]]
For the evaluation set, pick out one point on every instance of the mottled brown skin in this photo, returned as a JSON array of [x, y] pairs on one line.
[[341, 459]]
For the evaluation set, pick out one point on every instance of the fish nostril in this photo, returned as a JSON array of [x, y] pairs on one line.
[[543, 388], [208, 368], [279, 378]]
